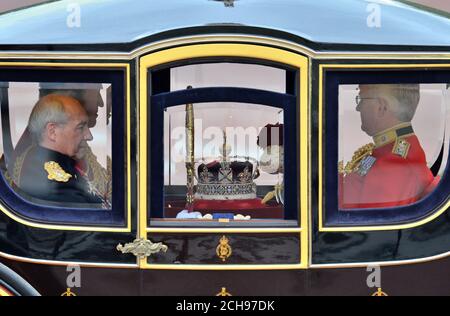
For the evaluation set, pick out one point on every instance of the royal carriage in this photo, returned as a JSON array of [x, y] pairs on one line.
[[218, 128]]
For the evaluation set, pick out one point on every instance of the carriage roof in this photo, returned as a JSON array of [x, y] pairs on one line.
[[324, 24]]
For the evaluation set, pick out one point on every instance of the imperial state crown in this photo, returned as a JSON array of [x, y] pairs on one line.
[[224, 183], [226, 178]]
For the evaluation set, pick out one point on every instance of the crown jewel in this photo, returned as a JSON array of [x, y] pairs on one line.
[[227, 178]]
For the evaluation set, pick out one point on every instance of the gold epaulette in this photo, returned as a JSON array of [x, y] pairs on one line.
[[358, 156], [56, 172]]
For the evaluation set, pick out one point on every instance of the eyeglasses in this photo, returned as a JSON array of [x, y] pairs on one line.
[[358, 99]]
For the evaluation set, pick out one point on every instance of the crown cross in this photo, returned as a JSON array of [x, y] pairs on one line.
[[225, 173]]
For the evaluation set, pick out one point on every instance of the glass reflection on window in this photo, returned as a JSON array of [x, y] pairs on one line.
[[56, 142], [398, 133], [223, 161]]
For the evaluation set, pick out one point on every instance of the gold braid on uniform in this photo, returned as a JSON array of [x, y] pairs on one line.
[[8, 178], [99, 177], [353, 165], [18, 163]]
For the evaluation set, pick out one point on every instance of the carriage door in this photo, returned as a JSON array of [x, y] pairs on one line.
[[382, 188], [223, 162]]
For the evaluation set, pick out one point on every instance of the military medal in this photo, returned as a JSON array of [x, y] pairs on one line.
[[56, 172], [361, 162], [365, 165]]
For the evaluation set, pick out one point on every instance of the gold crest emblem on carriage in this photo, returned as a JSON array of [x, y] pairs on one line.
[[224, 250]]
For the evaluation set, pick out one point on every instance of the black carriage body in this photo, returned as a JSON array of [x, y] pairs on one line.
[[319, 45]]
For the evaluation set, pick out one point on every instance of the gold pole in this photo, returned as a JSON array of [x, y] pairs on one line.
[[190, 163]]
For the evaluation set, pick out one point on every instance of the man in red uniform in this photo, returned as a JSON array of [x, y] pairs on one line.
[[393, 170]]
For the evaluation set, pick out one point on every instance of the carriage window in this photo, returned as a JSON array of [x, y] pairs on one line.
[[56, 143], [392, 143], [224, 161]]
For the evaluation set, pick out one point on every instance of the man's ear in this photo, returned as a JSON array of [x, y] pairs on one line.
[[51, 131], [383, 107]]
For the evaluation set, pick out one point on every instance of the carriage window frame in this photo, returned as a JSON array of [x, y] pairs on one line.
[[82, 218], [159, 89], [330, 216]]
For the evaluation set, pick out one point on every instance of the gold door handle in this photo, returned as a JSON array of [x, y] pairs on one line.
[[142, 248]]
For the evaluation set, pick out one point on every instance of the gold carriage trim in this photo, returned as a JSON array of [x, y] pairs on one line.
[[223, 292], [68, 293], [379, 292]]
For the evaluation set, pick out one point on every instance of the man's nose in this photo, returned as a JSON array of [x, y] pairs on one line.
[[88, 135]]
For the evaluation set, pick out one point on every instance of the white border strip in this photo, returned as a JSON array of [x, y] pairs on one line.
[[66, 263], [379, 263]]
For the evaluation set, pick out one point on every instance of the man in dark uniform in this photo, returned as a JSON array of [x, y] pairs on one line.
[[59, 126], [393, 170]]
